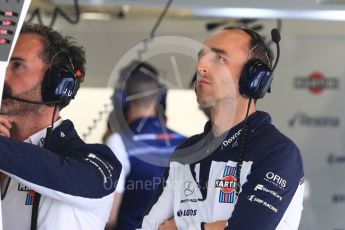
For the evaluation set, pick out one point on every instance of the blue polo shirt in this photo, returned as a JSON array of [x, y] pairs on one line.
[[149, 144]]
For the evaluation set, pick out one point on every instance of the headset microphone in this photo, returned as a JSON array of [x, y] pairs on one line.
[[275, 35], [276, 39], [33, 102]]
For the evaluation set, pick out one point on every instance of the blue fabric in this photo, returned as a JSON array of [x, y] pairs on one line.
[[149, 144], [64, 167], [274, 177]]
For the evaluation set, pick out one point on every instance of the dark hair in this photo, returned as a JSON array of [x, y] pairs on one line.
[[134, 81], [261, 51], [141, 80], [53, 44]]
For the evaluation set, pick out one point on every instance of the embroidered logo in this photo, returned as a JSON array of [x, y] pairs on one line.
[[29, 200], [229, 141], [227, 185]]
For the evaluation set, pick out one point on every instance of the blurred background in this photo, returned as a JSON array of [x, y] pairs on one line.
[[306, 102]]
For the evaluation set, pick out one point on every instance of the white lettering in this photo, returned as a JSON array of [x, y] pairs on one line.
[[283, 183], [252, 198], [231, 139], [262, 188], [270, 175], [225, 184], [276, 178]]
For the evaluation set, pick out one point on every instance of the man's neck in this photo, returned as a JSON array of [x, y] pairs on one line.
[[225, 115], [24, 127]]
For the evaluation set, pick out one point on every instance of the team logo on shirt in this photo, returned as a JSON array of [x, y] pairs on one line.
[[187, 212], [276, 180], [253, 198], [30, 194], [30, 198], [227, 185], [188, 188]]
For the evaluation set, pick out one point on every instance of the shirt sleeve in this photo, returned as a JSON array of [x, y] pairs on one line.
[[83, 180], [163, 207], [115, 143], [273, 192]]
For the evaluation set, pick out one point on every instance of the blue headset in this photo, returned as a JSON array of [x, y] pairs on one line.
[[59, 83], [256, 76]]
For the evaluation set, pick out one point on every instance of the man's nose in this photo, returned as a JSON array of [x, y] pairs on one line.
[[201, 67]]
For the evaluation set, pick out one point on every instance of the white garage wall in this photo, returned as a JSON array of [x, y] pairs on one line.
[[182, 112]]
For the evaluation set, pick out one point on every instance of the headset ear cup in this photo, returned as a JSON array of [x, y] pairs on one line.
[[59, 84], [66, 86], [255, 80], [47, 89]]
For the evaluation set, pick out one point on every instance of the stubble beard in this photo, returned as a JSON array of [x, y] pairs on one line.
[[11, 107], [206, 100]]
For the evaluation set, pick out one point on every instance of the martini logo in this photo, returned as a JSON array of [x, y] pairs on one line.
[[30, 198], [316, 83], [23, 188], [227, 185]]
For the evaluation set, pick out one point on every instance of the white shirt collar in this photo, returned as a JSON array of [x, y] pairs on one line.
[[38, 138]]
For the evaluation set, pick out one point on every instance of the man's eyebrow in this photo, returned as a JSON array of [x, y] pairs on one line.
[[17, 59], [219, 51], [215, 50]]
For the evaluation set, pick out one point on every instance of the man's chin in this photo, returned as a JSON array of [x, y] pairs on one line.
[[3, 111], [8, 107], [4, 107], [206, 104]]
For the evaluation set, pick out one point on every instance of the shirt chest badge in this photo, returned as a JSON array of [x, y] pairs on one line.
[[227, 185], [29, 200]]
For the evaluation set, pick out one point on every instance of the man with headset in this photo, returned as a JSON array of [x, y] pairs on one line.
[[53, 179], [141, 123], [241, 172]]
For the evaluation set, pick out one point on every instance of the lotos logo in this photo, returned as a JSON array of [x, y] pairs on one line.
[[305, 120], [316, 83], [179, 212], [227, 185], [187, 212]]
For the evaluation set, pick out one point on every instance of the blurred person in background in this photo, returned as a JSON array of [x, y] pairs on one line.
[[140, 126]]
